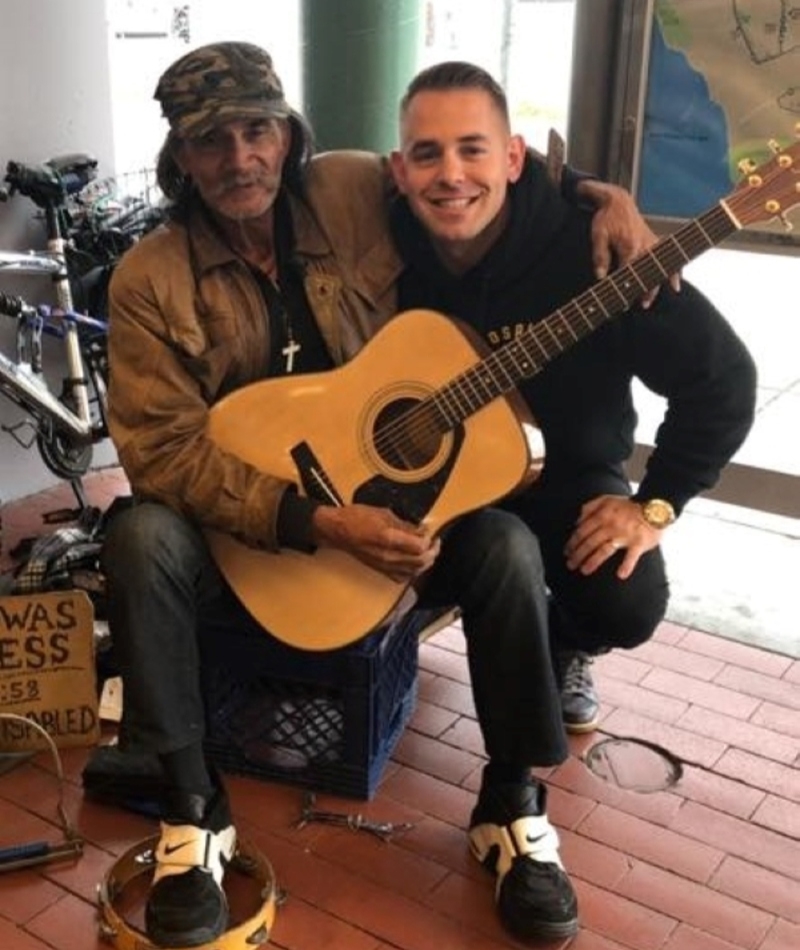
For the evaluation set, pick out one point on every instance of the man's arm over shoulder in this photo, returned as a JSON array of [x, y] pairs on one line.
[[619, 231]]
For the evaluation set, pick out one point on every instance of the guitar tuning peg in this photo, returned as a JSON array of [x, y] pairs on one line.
[[746, 166], [787, 224], [774, 146]]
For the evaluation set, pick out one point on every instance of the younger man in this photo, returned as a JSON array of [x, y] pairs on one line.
[[487, 239]]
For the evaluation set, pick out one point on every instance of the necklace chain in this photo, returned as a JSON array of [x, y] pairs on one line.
[[292, 347]]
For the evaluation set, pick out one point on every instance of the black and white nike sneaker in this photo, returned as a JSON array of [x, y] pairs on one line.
[[511, 835], [187, 906]]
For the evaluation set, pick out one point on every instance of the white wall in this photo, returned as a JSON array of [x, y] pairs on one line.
[[53, 96], [142, 44], [54, 99]]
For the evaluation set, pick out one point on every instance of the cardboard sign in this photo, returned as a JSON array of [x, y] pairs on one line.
[[47, 670]]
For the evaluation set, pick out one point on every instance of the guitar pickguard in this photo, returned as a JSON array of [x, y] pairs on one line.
[[410, 500]]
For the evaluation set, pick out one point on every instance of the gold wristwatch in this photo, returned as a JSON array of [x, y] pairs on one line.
[[657, 512]]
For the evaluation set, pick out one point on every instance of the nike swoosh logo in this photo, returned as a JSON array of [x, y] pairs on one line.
[[532, 840], [172, 848]]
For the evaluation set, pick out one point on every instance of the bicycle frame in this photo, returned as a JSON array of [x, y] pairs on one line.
[[17, 262], [65, 429], [23, 380], [56, 249], [64, 424]]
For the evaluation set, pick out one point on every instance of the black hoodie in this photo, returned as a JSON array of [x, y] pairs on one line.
[[681, 348]]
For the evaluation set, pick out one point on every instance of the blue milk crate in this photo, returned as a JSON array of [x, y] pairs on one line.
[[327, 721]]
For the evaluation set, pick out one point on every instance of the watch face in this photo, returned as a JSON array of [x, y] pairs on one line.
[[658, 513]]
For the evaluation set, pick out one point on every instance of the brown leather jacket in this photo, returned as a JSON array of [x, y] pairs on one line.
[[188, 324]]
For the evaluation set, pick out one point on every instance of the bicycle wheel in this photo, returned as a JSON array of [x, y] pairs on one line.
[[64, 457]]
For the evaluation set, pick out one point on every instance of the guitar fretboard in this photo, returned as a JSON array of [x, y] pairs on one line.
[[527, 355]]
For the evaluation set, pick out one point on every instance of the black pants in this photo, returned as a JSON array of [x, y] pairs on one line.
[[162, 582], [594, 612]]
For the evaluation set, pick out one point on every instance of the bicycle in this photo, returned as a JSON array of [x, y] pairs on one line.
[[66, 425], [89, 224]]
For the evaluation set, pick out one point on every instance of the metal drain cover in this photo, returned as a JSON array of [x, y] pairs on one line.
[[633, 764]]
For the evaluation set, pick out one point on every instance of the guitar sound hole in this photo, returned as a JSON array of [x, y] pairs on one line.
[[406, 437]]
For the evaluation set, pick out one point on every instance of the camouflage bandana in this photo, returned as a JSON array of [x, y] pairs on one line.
[[217, 83]]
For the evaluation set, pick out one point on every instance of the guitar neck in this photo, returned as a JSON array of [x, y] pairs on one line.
[[529, 353]]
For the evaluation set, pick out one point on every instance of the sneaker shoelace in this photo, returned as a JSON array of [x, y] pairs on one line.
[[576, 677]]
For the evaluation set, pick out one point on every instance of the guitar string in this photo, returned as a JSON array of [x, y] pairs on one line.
[[419, 423], [749, 205]]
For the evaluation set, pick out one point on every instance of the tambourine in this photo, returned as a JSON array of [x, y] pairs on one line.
[[139, 860]]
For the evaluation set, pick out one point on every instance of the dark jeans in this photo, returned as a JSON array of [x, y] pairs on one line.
[[162, 582], [594, 612]]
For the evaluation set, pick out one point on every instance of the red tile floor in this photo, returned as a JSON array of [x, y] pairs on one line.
[[711, 864]]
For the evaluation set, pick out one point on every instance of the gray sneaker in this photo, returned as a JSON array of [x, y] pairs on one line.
[[580, 706]]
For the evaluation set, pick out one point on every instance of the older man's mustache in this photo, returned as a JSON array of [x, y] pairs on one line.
[[232, 182]]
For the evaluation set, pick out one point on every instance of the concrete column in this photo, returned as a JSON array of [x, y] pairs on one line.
[[358, 57]]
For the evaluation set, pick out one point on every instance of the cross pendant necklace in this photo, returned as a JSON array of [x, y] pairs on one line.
[[290, 350], [284, 317]]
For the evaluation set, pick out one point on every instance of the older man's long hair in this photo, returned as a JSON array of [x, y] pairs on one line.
[[179, 190]]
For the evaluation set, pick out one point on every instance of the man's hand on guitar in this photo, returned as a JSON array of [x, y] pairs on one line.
[[607, 524], [619, 232], [378, 538]]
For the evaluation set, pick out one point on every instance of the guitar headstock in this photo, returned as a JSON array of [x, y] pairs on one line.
[[769, 190]]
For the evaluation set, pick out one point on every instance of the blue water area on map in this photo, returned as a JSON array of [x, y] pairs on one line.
[[684, 159]]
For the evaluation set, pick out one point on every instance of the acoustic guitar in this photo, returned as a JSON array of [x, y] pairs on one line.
[[425, 421]]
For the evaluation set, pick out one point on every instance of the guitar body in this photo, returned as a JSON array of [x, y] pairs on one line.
[[346, 434], [425, 422]]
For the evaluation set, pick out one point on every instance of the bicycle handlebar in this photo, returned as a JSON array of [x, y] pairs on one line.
[[49, 184]]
